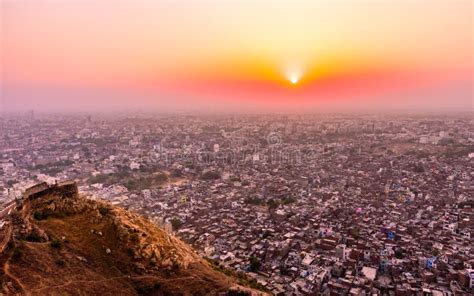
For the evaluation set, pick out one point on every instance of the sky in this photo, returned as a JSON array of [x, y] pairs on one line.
[[236, 56]]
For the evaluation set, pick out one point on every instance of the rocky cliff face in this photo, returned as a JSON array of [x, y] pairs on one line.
[[61, 243]]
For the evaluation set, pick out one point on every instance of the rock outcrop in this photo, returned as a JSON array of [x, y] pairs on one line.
[[59, 242]]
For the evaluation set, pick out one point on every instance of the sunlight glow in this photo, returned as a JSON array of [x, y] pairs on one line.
[[294, 79]]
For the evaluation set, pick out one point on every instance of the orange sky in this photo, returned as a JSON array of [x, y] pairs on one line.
[[192, 54]]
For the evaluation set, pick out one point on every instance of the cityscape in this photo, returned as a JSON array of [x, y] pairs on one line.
[[305, 205], [236, 148]]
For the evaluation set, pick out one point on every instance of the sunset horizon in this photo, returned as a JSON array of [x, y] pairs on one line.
[[259, 56], [237, 147]]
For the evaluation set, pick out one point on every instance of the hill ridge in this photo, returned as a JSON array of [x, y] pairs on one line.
[[57, 242]]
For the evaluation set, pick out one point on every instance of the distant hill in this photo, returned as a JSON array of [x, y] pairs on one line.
[[57, 243]]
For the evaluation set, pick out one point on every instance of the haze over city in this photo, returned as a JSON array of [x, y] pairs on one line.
[[237, 147], [237, 56]]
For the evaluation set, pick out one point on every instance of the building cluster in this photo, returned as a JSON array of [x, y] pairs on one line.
[[306, 205]]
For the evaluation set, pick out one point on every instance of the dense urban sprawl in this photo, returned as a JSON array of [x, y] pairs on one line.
[[331, 205]]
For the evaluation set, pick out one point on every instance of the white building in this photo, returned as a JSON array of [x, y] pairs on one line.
[[134, 165]]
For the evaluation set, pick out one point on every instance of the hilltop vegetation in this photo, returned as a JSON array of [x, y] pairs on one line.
[[56, 246]]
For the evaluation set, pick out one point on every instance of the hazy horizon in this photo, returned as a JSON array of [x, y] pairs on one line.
[[237, 57]]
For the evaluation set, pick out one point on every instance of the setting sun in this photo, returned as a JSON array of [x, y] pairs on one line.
[[213, 147], [294, 79], [221, 54]]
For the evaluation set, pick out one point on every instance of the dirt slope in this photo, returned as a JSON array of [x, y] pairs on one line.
[[56, 245]]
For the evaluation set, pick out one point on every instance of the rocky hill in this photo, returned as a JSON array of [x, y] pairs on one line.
[[57, 243]]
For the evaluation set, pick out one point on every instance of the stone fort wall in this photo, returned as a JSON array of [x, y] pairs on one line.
[[66, 189]]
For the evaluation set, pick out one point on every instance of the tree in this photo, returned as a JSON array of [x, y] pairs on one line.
[[176, 173], [161, 177], [272, 204], [399, 253], [266, 234], [10, 183], [176, 223], [254, 264], [253, 201], [355, 233], [210, 175]]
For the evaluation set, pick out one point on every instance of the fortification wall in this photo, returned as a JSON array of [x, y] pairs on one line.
[[64, 189]]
